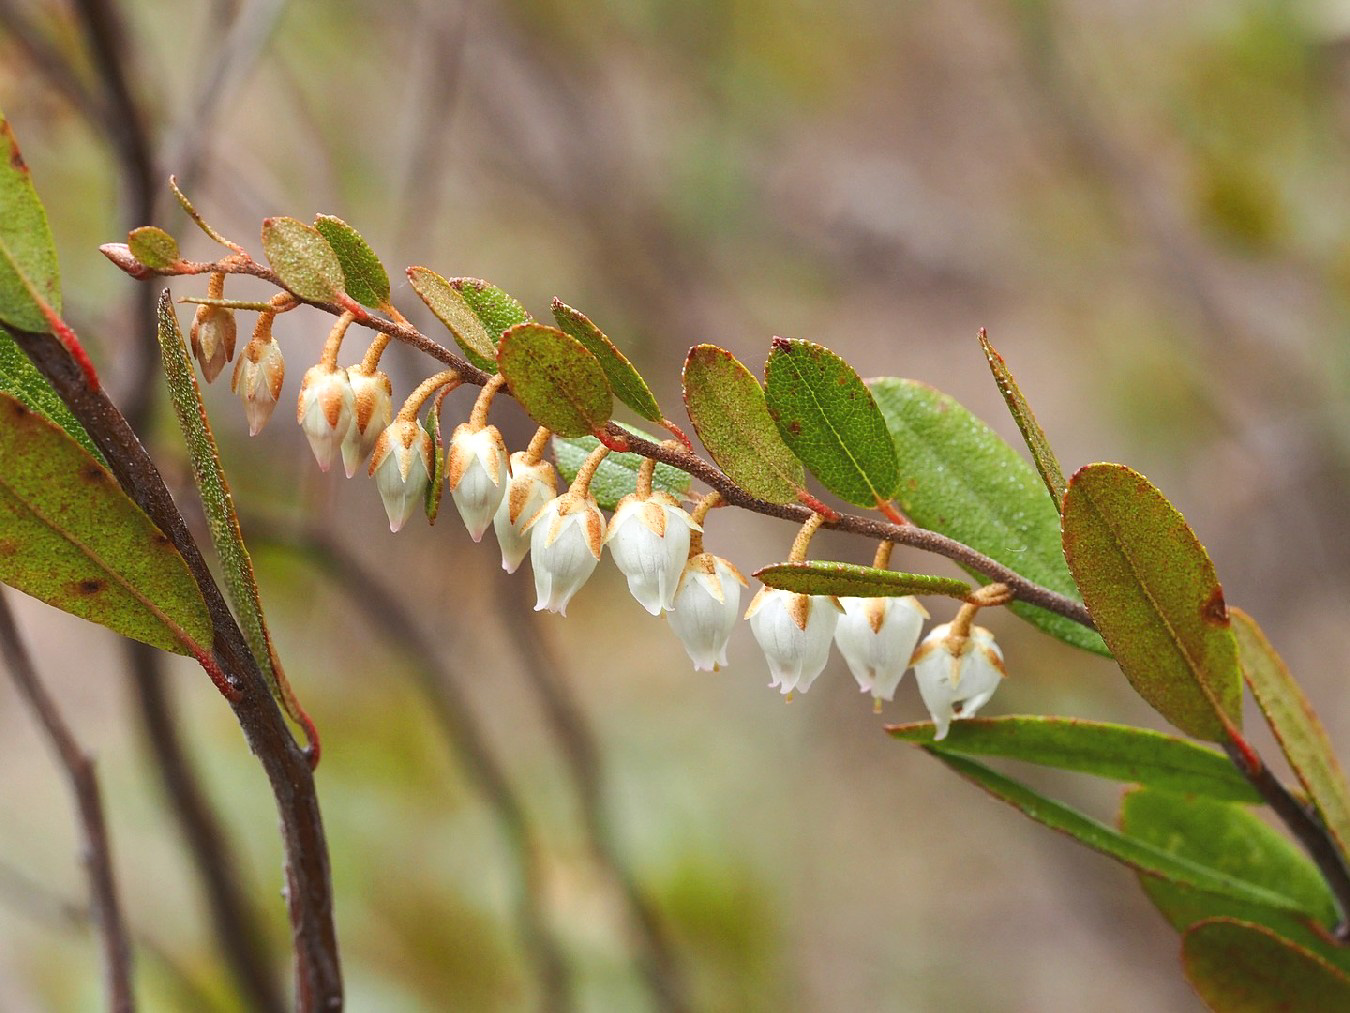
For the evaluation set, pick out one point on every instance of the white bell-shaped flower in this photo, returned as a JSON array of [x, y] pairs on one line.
[[649, 540], [876, 636], [401, 466], [477, 469], [325, 410], [957, 675], [565, 541], [706, 607], [372, 408], [258, 376], [212, 338], [530, 488], [795, 632]]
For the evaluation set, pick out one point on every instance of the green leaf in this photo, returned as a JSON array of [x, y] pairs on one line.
[[1233, 840], [558, 383], [1137, 854], [726, 404], [1237, 967], [221, 520], [496, 310], [854, 581], [153, 247], [629, 387], [366, 279], [29, 274], [961, 479], [21, 379], [1119, 752], [1046, 462], [302, 259], [827, 416], [1154, 596], [69, 536], [1295, 724], [436, 487], [617, 475], [458, 316]]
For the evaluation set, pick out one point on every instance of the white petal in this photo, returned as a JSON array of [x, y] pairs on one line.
[[878, 658], [702, 619]]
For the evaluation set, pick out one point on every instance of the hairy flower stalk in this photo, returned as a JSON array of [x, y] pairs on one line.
[[532, 484], [649, 540], [876, 636], [259, 374], [213, 331], [565, 540], [372, 406], [403, 462], [958, 666], [477, 465], [707, 599]]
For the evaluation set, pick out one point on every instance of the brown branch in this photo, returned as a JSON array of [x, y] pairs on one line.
[[238, 931], [97, 850], [308, 885]]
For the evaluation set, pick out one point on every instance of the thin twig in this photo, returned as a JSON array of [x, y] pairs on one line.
[[441, 686], [97, 853]]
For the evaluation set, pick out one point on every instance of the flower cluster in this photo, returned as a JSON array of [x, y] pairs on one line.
[[654, 541]]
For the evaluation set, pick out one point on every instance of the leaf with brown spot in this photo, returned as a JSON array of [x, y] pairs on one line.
[[76, 541]]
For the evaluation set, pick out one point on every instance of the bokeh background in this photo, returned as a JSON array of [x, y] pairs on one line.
[[1146, 203]]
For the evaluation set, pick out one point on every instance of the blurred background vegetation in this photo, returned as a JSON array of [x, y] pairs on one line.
[[1146, 203]]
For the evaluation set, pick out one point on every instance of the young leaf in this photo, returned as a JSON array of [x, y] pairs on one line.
[[69, 536], [496, 310], [961, 479], [1235, 841], [436, 487], [828, 418], [629, 387], [854, 581], [617, 475], [1153, 594], [1119, 752], [28, 265], [1137, 854], [1295, 725], [302, 259], [21, 379], [458, 316], [366, 279], [726, 405], [221, 520], [558, 383], [1046, 462], [153, 247], [1245, 968]]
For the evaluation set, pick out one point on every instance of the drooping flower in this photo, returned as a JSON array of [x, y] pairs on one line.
[[957, 674], [372, 408], [401, 466], [795, 632], [212, 338], [565, 541], [325, 410], [258, 376], [706, 606], [477, 469], [649, 540], [532, 485], [876, 636]]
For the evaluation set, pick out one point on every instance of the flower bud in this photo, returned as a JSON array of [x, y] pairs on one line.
[[957, 675], [325, 410], [258, 376], [371, 412], [876, 636], [706, 606], [402, 467], [794, 631], [212, 338], [477, 469], [649, 540], [565, 540], [531, 486]]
